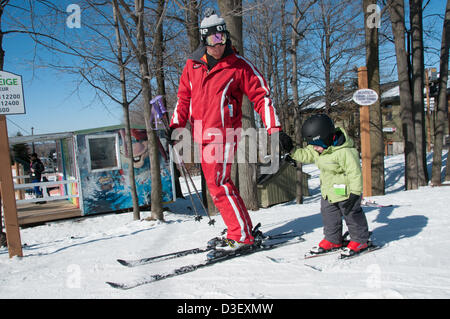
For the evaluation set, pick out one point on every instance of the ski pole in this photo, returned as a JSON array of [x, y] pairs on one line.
[[197, 216], [158, 106], [211, 221]]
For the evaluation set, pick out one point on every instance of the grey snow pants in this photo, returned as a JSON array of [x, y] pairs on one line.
[[355, 220]]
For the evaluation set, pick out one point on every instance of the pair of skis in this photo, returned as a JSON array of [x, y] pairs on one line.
[[371, 247], [267, 243]]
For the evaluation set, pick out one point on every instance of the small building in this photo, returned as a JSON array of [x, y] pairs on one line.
[[280, 187], [392, 121], [92, 171]]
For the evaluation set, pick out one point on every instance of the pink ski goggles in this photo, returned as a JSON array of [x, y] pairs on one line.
[[215, 39]]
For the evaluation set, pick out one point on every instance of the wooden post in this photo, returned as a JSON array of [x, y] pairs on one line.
[[7, 194], [365, 136]]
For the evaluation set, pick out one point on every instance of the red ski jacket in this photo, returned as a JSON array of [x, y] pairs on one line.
[[212, 100]]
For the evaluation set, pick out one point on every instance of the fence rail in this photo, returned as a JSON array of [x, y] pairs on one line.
[[44, 186]]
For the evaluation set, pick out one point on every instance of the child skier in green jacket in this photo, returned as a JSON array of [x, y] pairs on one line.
[[334, 153]]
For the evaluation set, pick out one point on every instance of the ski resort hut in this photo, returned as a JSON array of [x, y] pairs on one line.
[[92, 173], [280, 187], [102, 163]]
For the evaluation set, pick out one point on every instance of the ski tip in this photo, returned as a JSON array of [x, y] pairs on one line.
[[116, 285], [123, 262]]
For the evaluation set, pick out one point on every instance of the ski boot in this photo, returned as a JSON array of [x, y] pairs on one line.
[[354, 248], [325, 246]]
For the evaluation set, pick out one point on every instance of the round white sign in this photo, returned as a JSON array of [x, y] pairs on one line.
[[365, 97], [11, 94]]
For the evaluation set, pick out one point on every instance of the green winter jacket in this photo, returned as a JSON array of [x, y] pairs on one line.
[[340, 169]]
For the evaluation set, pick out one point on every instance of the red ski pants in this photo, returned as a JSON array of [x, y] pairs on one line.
[[216, 165]]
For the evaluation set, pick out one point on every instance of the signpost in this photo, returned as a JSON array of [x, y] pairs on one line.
[[11, 102], [365, 97]]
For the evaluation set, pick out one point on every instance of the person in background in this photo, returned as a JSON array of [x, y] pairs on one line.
[[37, 168]]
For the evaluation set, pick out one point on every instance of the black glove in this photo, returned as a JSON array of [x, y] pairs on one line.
[[350, 203], [169, 136], [290, 160], [286, 144]]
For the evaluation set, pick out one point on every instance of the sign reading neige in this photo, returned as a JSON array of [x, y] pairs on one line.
[[11, 94], [365, 97]]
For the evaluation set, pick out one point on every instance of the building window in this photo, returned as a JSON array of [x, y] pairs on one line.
[[103, 152]]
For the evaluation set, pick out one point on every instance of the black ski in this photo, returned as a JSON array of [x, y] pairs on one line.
[[154, 259], [198, 250], [209, 262]]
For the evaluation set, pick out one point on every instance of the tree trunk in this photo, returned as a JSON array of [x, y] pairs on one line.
[[297, 114], [231, 11], [155, 170], [140, 51], [160, 79], [192, 24], [284, 96], [125, 106], [376, 119], [417, 89], [397, 15], [442, 107]]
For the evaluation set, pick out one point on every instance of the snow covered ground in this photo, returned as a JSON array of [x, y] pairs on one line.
[[74, 258]]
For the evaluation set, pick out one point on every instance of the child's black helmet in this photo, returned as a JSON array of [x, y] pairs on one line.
[[319, 130]]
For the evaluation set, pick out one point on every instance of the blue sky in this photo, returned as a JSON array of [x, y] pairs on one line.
[[51, 103]]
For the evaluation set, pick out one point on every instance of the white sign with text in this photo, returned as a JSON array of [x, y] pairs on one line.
[[365, 97], [11, 94]]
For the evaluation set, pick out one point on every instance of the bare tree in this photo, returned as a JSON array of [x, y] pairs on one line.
[[442, 107], [397, 15], [126, 113], [298, 33], [417, 80], [335, 36], [140, 50]]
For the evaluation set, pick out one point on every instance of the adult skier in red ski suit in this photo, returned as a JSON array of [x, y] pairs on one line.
[[210, 92]]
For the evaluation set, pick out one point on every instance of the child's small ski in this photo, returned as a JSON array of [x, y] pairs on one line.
[[371, 203], [314, 254], [309, 254]]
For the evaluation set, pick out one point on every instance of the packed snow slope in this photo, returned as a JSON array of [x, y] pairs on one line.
[[74, 258]]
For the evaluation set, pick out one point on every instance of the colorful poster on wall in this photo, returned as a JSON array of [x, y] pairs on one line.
[[104, 165]]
